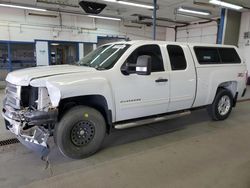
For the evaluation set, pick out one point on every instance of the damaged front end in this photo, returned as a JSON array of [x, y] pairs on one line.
[[29, 115]]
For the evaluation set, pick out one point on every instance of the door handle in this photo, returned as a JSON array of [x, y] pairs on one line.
[[161, 80]]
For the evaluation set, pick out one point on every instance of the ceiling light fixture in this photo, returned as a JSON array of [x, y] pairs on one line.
[[136, 4], [194, 11], [131, 4], [105, 17], [225, 4], [21, 7]]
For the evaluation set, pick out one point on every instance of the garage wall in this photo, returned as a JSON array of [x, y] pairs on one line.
[[203, 33], [244, 27], [244, 43], [17, 25], [232, 25], [170, 34]]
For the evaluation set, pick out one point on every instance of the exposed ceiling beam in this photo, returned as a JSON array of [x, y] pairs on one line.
[[60, 3], [145, 17], [149, 24]]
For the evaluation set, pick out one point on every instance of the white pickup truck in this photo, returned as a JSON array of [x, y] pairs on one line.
[[120, 85]]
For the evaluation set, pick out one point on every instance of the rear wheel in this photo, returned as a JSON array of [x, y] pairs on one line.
[[221, 108], [80, 132]]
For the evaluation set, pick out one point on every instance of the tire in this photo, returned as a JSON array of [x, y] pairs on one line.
[[80, 132], [220, 110]]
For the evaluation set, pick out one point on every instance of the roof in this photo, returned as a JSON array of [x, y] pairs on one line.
[[141, 42]]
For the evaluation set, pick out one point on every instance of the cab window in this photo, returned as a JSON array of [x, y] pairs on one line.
[[153, 51], [177, 57]]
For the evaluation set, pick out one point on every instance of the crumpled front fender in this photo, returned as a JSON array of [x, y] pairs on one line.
[[54, 92]]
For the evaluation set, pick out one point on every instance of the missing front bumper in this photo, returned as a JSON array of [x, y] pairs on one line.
[[29, 127], [37, 142], [35, 138]]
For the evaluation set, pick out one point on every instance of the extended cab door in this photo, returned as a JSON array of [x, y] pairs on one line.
[[142, 95], [182, 77]]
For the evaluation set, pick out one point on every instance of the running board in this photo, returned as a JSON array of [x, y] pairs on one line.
[[150, 120]]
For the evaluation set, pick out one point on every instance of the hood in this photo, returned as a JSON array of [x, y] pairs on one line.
[[24, 76]]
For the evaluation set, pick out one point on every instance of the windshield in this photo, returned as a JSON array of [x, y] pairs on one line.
[[104, 57]]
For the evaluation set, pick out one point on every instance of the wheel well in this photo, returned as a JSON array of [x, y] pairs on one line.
[[95, 101], [230, 86]]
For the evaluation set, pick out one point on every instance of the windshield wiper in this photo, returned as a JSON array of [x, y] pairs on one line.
[[85, 64], [100, 68]]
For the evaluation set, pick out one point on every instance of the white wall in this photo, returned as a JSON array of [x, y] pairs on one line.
[[203, 33], [244, 27], [244, 44], [17, 25], [170, 34]]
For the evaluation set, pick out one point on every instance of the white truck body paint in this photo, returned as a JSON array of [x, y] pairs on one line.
[[136, 96]]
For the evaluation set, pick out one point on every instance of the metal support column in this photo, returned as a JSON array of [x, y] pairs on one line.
[[9, 58], [154, 19], [221, 28]]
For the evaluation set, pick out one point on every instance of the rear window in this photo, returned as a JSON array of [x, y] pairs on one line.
[[207, 55], [229, 55], [214, 55]]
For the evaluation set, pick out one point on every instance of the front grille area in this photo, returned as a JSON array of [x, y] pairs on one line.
[[12, 97], [11, 101], [12, 88]]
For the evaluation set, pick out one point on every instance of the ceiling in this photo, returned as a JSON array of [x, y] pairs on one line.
[[166, 11]]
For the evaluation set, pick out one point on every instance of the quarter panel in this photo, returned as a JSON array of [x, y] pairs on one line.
[[210, 77]]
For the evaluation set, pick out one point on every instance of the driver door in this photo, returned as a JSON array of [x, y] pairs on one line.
[[142, 95]]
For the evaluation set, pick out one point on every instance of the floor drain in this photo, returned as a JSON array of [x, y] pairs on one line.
[[9, 141]]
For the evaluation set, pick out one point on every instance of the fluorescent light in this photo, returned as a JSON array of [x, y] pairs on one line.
[[224, 4], [55, 44], [193, 11], [104, 17], [131, 4], [21, 7], [136, 4]]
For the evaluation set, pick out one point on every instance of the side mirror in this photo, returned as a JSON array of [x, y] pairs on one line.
[[143, 65], [125, 69]]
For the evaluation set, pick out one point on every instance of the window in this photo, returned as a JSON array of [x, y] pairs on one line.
[[22, 55], [104, 57], [4, 61], [88, 47], [150, 50], [229, 55], [16, 55], [207, 55], [177, 57], [63, 53], [214, 55]]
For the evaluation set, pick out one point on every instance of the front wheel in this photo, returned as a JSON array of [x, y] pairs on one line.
[[221, 108], [80, 132]]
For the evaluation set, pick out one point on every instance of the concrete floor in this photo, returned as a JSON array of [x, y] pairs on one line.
[[191, 151]]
